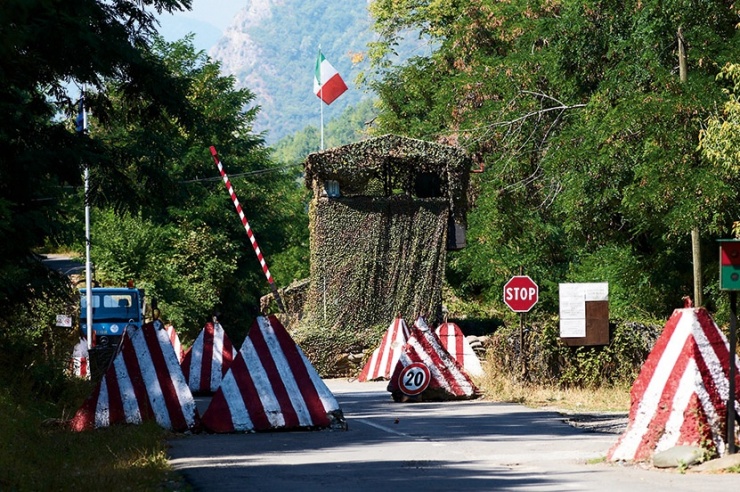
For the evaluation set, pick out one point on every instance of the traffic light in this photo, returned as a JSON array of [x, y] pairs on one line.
[[729, 264]]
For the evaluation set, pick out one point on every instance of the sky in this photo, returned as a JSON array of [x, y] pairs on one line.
[[207, 20]]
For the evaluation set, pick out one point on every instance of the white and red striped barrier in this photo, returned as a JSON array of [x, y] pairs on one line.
[[79, 365], [207, 361], [681, 394], [385, 357], [271, 385], [448, 379], [245, 223], [454, 342], [144, 382], [175, 340]]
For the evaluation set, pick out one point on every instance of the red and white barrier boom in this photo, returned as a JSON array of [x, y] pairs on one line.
[[243, 217]]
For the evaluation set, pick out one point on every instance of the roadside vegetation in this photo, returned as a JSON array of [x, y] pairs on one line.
[[37, 453]]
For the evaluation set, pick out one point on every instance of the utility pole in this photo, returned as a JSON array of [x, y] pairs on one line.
[[695, 238]]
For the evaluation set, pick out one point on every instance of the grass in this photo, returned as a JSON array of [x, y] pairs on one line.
[[39, 454], [496, 387]]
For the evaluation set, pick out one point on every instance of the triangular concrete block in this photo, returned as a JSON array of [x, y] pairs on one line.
[[680, 397], [447, 378], [385, 357], [144, 382], [454, 342], [271, 385], [207, 361]]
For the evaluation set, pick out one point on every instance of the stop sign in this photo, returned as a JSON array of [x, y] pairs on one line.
[[521, 293]]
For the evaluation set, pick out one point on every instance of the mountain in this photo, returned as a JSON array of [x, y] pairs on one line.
[[207, 20], [271, 48]]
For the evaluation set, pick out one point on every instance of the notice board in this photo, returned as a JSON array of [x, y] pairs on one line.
[[584, 313]]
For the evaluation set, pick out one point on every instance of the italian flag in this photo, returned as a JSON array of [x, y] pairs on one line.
[[327, 83]]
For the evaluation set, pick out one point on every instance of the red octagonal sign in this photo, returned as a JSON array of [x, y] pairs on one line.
[[521, 293]]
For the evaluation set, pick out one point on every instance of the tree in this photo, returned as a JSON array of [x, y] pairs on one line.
[[45, 48], [587, 136], [178, 234]]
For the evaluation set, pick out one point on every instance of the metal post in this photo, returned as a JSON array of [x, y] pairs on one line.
[[88, 275], [81, 128], [733, 372]]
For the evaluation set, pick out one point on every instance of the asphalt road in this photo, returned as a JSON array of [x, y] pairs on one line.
[[451, 446]]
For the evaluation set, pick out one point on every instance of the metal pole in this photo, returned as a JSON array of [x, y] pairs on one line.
[[82, 129], [321, 103], [88, 276], [733, 372]]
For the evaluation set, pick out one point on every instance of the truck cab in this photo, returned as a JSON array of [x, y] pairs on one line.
[[113, 308]]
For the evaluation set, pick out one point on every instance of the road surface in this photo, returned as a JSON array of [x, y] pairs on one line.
[[451, 446]]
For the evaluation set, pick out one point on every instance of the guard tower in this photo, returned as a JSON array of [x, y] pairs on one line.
[[383, 214]]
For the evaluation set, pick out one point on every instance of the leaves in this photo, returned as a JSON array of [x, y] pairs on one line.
[[587, 135]]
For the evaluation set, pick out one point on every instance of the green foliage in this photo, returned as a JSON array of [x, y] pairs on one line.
[[177, 234], [120, 458], [351, 126], [549, 361], [720, 140], [33, 351], [632, 280], [586, 133], [182, 267], [46, 48]]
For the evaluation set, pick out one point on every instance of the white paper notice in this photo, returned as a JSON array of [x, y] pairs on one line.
[[572, 302], [572, 328]]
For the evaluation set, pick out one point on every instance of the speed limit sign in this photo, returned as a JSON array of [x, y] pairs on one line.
[[414, 379]]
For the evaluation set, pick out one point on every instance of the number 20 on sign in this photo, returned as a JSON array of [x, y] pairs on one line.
[[414, 378]]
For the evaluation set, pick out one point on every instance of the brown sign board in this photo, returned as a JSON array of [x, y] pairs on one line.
[[597, 326]]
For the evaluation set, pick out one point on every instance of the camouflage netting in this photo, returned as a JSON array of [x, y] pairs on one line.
[[390, 165], [374, 258], [378, 249]]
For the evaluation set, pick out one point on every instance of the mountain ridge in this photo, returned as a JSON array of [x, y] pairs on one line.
[[271, 46]]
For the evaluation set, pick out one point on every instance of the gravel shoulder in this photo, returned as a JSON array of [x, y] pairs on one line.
[[604, 422]]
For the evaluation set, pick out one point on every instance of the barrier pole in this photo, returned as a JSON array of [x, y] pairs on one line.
[[250, 234]]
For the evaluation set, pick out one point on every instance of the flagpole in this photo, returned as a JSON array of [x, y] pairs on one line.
[[321, 99]]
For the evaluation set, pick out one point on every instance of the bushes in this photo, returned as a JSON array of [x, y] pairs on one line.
[[325, 347], [549, 361]]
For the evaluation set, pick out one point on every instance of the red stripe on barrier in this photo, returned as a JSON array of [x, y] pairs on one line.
[[217, 417], [185, 364], [84, 419], [171, 399], [137, 381], [276, 381], [116, 412], [696, 429], [227, 355], [300, 373]]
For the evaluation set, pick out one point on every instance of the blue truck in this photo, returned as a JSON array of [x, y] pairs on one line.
[[113, 308]]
